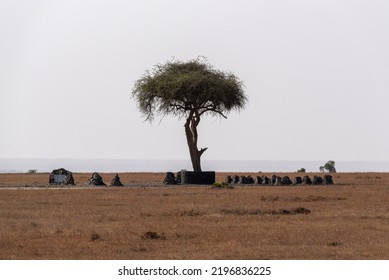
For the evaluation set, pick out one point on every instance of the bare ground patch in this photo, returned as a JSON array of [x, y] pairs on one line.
[[302, 199]]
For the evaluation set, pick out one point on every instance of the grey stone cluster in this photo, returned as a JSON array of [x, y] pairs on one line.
[[61, 176], [116, 181], [96, 180], [170, 179], [279, 181], [239, 179]]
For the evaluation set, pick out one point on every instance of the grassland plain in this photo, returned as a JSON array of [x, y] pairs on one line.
[[146, 220]]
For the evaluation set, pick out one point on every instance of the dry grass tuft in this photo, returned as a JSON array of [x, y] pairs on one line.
[[187, 213], [240, 212], [153, 235], [334, 244], [94, 236]]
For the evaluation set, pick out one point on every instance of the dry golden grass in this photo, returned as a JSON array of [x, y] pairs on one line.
[[349, 220]]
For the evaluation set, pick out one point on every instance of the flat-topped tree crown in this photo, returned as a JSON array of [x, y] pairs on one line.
[[188, 90]]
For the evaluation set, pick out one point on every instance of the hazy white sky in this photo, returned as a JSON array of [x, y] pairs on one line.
[[316, 73]]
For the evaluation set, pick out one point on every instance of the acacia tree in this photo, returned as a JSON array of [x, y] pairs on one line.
[[188, 90]]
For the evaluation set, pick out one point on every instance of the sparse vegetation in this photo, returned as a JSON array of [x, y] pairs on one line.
[[301, 170], [329, 167], [349, 221], [32, 171]]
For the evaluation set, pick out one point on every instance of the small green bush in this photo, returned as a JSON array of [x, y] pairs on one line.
[[329, 167]]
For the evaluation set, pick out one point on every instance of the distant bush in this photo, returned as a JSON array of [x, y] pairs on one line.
[[329, 167], [301, 170], [32, 171]]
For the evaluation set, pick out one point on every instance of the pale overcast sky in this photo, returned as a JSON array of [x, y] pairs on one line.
[[316, 74]]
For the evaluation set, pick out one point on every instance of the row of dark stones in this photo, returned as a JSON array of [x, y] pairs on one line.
[[95, 180], [280, 181]]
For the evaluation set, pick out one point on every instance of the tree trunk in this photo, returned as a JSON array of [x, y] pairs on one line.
[[191, 137]]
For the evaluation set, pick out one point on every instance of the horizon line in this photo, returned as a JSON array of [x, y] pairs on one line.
[[188, 159]]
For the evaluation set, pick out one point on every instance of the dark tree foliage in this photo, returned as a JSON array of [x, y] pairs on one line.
[[329, 167], [188, 90]]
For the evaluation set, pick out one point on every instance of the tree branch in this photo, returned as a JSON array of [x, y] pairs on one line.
[[178, 107], [213, 110], [202, 150]]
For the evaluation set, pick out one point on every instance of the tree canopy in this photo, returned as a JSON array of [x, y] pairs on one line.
[[176, 87], [329, 166], [188, 90]]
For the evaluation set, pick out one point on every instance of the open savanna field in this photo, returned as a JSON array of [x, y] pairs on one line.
[[147, 220]]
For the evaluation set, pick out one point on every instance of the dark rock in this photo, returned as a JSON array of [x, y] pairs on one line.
[[178, 177], [116, 181], [246, 180], [61, 176], [96, 180], [249, 180], [258, 180], [242, 180], [170, 179], [273, 179], [286, 181], [278, 181], [235, 179], [317, 180], [298, 180], [328, 180], [228, 179], [307, 180], [266, 180]]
